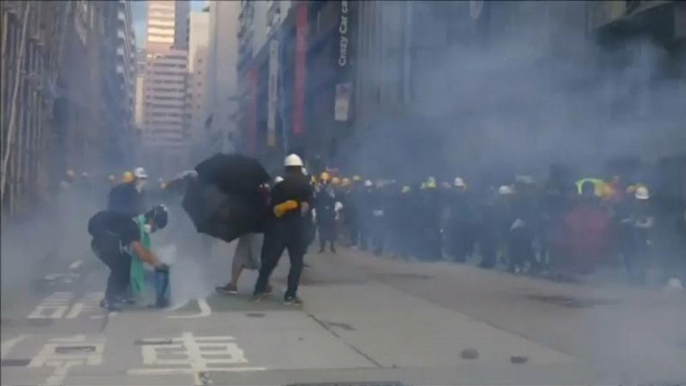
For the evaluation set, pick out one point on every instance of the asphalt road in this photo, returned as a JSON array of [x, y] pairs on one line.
[[365, 319]]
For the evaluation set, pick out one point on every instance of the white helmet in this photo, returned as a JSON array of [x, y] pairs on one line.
[[504, 190], [368, 184], [278, 179], [293, 160], [459, 182], [140, 173], [642, 193]]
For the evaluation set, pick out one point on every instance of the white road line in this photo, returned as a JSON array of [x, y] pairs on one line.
[[76, 264], [180, 305], [9, 345], [205, 311]]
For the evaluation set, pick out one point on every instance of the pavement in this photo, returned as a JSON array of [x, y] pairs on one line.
[[365, 319]]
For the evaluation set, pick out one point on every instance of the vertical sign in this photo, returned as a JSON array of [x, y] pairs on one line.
[[252, 123], [344, 89], [273, 79], [300, 68]]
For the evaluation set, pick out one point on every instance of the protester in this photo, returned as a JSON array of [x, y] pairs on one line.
[[116, 240], [291, 200]]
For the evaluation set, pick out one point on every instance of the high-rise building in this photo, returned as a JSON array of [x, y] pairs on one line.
[[198, 42], [222, 92], [181, 11], [164, 92], [140, 85]]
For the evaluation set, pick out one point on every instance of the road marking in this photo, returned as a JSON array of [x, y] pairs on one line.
[[9, 345], [76, 264], [199, 354], [180, 305], [205, 311], [65, 353]]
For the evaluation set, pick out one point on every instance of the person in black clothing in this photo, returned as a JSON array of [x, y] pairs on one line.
[[114, 232], [290, 201], [463, 222], [325, 209], [432, 249]]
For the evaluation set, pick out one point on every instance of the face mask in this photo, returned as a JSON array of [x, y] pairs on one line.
[[140, 184], [148, 228]]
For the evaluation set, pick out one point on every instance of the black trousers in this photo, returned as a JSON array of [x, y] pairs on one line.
[[119, 262], [462, 241], [279, 237]]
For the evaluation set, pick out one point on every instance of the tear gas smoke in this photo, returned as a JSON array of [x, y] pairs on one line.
[[540, 90]]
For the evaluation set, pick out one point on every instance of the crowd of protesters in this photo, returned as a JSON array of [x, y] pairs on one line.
[[563, 229]]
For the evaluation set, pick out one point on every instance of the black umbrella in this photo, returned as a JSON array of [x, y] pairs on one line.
[[225, 200], [232, 173]]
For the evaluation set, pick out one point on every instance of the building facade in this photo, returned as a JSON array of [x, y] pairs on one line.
[[198, 45], [164, 133], [68, 104], [222, 113]]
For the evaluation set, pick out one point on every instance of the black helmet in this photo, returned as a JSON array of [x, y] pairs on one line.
[[159, 216]]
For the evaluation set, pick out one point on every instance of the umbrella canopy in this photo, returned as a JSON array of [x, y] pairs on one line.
[[225, 200], [232, 173]]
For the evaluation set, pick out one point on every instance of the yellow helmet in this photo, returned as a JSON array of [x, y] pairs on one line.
[[128, 177], [335, 181], [324, 176], [345, 182], [357, 178], [405, 189]]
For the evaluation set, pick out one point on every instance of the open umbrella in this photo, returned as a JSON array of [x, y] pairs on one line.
[[225, 200], [232, 173]]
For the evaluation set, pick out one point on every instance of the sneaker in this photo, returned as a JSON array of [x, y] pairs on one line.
[[292, 301], [228, 289], [110, 305], [256, 298]]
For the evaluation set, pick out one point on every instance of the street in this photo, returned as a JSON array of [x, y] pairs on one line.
[[365, 319]]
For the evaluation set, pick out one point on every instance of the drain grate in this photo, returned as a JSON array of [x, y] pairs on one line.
[[152, 342], [570, 302], [255, 314], [390, 383], [73, 349], [15, 362], [43, 322]]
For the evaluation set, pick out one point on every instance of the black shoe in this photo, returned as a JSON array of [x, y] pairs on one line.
[[227, 289], [256, 297], [333, 249], [110, 306], [321, 250], [292, 301]]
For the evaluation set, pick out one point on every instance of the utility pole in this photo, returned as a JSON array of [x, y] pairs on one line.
[[9, 141]]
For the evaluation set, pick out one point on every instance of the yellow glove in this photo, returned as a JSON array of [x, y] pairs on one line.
[[281, 209]]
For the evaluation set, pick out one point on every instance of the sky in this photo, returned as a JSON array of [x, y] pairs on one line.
[[140, 12]]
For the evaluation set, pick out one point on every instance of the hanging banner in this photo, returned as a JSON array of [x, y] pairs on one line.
[[272, 97], [342, 103], [300, 69], [252, 120]]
